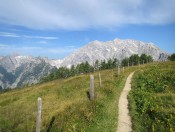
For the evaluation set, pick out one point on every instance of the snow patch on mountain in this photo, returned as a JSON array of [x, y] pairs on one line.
[[53, 62]]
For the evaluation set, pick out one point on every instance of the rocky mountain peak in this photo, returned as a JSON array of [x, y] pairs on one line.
[[117, 48], [17, 70]]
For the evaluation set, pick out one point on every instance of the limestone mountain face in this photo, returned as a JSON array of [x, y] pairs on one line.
[[17, 71], [117, 48]]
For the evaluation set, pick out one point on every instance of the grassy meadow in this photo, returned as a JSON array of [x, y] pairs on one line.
[[152, 98], [65, 104]]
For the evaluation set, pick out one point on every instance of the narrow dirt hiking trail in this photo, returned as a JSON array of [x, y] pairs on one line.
[[124, 120]]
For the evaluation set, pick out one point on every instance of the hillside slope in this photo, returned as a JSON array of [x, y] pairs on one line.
[[152, 98], [65, 104]]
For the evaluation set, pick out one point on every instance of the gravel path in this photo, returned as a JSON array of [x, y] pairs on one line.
[[124, 120]]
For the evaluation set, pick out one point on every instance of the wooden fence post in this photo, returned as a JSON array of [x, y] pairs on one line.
[[91, 87], [38, 122], [118, 71], [123, 69], [112, 75], [128, 64], [99, 79], [143, 61]]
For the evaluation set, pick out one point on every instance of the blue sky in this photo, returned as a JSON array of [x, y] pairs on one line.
[[56, 28]]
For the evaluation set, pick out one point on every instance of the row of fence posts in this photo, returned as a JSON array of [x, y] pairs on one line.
[[92, 79], [91, 91], [38, 121], [132, 64]]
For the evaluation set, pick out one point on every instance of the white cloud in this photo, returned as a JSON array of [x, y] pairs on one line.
[[35, 51], [40, 37], [84, 14], [8, 34], [3, 46], [42, 42], [70, 46]]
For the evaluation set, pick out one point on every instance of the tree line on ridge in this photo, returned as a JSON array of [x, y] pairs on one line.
[[85, 67]]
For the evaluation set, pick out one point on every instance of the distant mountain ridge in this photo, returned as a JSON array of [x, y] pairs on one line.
[[117, 48], [17, 71]]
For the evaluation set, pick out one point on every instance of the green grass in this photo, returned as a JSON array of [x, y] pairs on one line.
[[65, 105], [152, 98]]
